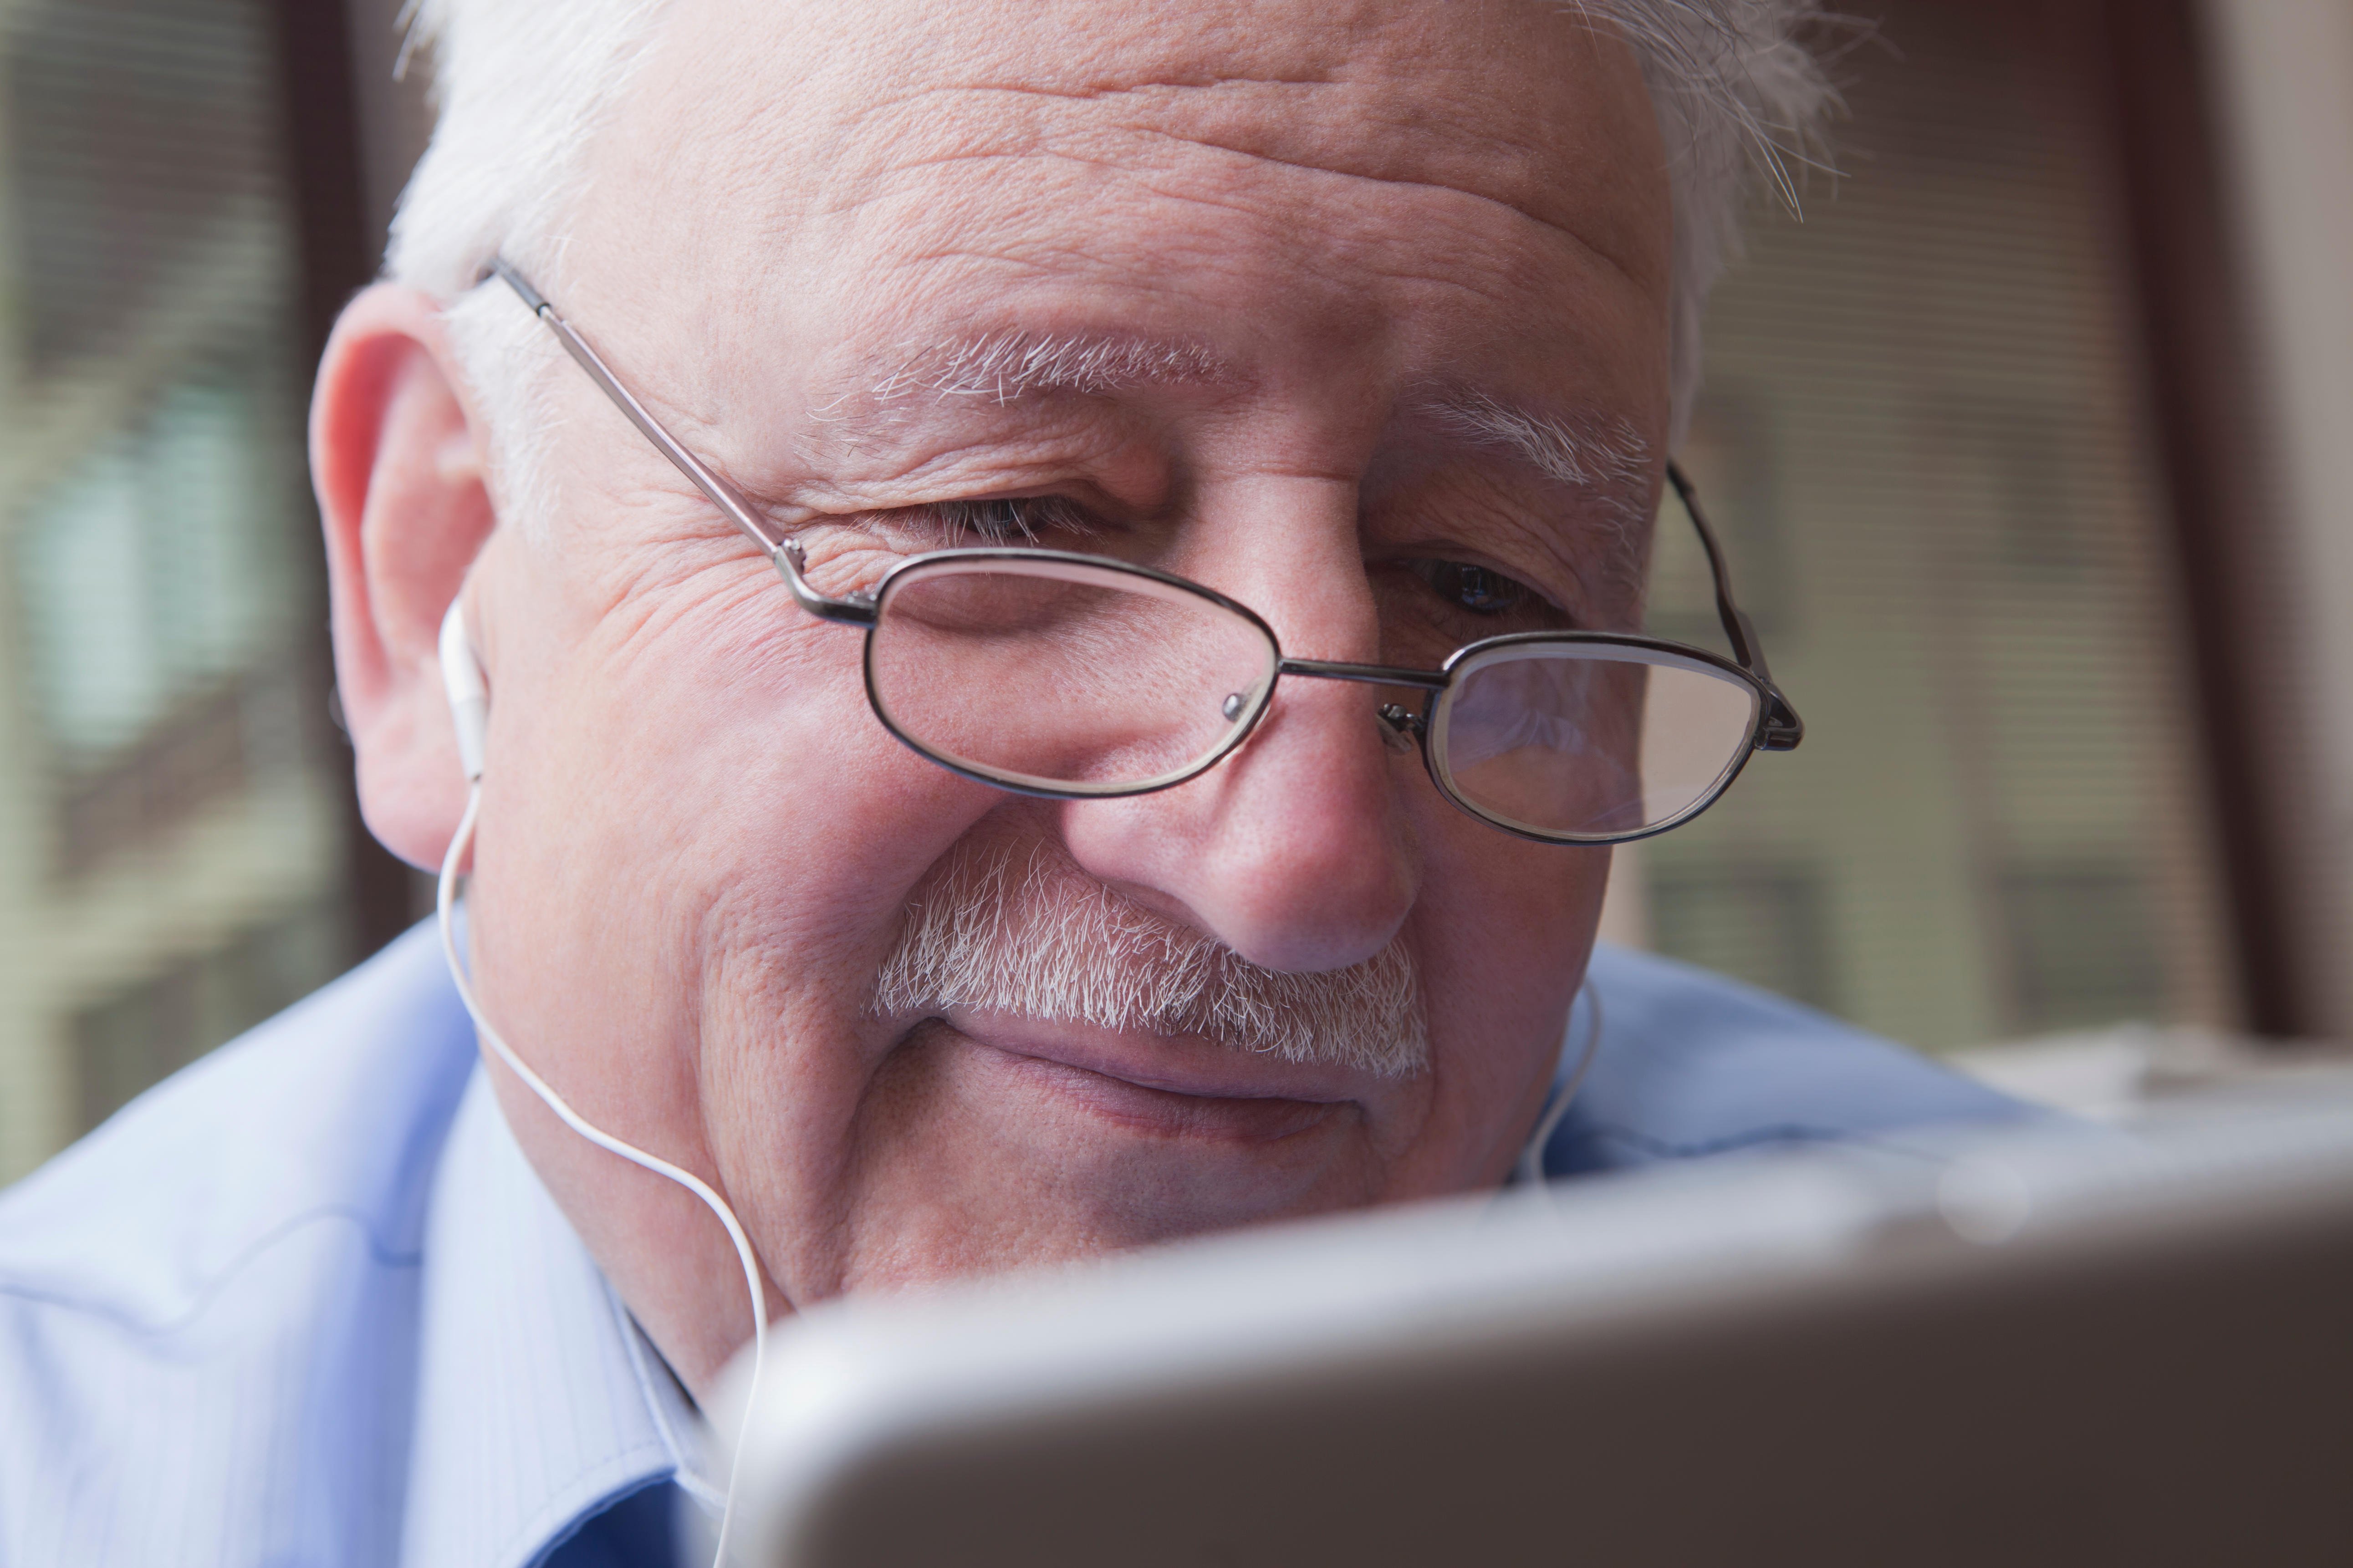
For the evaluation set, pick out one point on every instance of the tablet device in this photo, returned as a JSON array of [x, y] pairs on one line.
[[2066, 1346]]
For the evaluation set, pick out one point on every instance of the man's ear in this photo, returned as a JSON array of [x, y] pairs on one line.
[[396, 455]]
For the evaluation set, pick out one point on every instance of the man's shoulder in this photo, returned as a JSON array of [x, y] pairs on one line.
[[211, 1261], [1692, 1063], [330, 1113]]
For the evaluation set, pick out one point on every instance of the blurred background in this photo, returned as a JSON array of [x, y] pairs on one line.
[[2029, 444]]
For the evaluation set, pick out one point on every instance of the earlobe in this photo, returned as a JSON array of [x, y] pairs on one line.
[[396, 458]]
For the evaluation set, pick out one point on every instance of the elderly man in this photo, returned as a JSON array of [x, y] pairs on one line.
[[1219, 837]]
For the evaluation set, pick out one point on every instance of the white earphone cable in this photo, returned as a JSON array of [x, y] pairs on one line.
[[1531, 1153], [445, 905]]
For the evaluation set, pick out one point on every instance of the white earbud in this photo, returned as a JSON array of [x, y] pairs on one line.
[[468, 691]]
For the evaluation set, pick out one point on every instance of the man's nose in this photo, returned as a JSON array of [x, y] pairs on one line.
[[1296, 851]]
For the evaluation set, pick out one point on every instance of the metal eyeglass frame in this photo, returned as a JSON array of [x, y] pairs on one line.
[[1778, 726]]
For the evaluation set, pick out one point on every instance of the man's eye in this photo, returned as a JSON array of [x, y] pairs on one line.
[[1006, 519], [1473, 588]]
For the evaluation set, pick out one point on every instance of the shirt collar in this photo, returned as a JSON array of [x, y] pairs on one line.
[[539, 1401]]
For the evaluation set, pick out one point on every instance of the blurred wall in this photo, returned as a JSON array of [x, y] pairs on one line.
[[2281, 81], [1928, 437], [173, 828], [390, 98], [2076, 313]]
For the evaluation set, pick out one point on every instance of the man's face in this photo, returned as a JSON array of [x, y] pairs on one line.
[[858, 254]]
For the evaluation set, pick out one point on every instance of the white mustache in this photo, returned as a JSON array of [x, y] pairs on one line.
[[1001, 929]]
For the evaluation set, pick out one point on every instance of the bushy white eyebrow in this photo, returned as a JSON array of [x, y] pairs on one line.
[[1594, 451], [1005, 365]]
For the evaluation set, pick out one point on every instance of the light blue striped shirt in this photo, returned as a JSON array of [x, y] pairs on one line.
[[306, 1303]]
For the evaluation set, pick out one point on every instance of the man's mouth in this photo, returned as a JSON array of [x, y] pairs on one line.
[[1175, 1088]]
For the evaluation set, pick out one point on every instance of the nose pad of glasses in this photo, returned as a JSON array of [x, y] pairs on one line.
[[1399, 726]]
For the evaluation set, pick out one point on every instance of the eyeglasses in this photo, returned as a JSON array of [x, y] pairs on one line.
[[1077, 677]]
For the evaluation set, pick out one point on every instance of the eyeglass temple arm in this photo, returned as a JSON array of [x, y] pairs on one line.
[[786, 553], [1783, 728]]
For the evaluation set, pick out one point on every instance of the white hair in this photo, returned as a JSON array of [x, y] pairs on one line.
[[1738, 91], [521, 89]]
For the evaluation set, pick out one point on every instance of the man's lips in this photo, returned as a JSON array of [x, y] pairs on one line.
[[1182, 1086]]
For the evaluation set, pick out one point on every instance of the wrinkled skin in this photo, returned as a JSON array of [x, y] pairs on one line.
[[697, 844]]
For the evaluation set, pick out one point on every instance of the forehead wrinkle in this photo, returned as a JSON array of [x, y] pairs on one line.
[[1623, 269], [1328, 104], [1583, 243]]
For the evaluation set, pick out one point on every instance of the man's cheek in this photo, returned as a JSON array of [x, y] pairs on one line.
[[1504, 938], [1514, 899], [808, 834]]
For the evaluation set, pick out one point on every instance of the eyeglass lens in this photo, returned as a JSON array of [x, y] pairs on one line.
[[1086, 680], [1054, 675], [1589, 739]]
